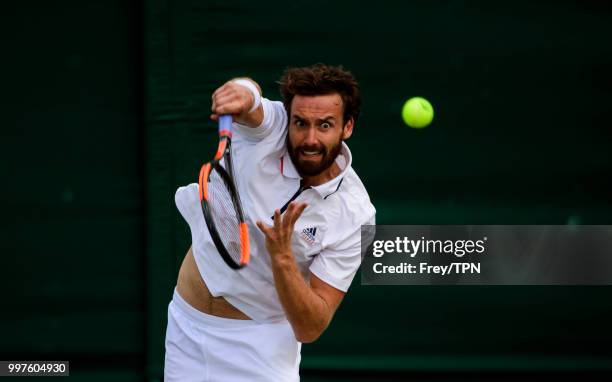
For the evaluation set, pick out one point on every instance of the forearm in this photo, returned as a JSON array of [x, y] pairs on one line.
[[307, 312], [309, 308]]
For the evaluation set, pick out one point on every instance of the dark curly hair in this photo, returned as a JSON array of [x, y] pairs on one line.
[[320, 79]]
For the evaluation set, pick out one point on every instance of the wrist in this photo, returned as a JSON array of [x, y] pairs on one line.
[[250, 86], [283, 260]]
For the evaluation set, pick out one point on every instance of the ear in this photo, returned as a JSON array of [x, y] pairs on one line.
[[347, 130]]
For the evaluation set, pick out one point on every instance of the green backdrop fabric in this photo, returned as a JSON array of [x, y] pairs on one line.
[[72, 196], [520, 136]]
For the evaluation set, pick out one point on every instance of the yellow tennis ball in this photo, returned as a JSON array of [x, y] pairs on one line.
[[417, 112]]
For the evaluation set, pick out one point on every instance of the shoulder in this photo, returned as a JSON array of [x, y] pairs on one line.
[[272, 125], [350, 205]]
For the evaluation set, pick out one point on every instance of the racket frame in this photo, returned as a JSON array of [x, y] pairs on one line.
[[227, 176]]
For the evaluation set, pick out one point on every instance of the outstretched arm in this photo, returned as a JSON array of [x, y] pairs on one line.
[[309, 308], [233, 98]]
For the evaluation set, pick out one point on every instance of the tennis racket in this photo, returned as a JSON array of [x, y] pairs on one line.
[[221, 203]]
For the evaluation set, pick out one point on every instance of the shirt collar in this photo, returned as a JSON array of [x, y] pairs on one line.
[[343, 160]]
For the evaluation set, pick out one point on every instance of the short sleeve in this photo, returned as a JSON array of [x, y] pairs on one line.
[[275, 121], [188, 203], [338, 264]]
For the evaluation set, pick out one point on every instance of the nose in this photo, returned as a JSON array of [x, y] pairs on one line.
[[311, 137]]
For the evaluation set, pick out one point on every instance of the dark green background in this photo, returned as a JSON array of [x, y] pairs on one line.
[[105, 114]]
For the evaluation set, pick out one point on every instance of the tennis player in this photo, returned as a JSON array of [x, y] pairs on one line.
[[304, 207]]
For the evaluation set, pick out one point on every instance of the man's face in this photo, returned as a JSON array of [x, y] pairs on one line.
[[316, 131]]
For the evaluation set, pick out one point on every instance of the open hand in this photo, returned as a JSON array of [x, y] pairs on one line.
[[278, 237]]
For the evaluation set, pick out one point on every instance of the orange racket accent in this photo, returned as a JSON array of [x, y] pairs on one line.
[[221, 149], [203, 181], [244, 243]]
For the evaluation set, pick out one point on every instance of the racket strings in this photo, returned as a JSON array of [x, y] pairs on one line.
[[225, 215]]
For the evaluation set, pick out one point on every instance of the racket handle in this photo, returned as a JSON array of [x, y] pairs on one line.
[[225, 125]]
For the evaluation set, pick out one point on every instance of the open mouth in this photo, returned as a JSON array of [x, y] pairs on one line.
[[310, 153]]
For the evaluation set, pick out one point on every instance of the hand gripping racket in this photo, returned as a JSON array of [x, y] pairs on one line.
[[221, 203]]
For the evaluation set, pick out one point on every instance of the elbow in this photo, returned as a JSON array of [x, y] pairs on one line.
[[307, 338], [310, 334]]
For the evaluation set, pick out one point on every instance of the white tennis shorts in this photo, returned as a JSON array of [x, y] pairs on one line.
[[203, 348]]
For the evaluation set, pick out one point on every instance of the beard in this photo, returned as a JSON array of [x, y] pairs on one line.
[[310, 168]]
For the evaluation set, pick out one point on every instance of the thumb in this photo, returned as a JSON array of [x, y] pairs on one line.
[[262, 227]]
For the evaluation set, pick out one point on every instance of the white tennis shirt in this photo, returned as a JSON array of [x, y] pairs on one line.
[[326, 239]]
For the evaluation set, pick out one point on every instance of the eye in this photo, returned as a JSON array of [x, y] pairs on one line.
[[299, 123], [326, 125]]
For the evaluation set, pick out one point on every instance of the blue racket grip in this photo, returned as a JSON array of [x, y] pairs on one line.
[[225, 125]]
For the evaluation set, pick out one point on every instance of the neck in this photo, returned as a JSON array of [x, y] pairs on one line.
[[324, 177]]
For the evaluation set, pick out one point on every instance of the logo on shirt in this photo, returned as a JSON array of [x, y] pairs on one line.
[[308, 234]]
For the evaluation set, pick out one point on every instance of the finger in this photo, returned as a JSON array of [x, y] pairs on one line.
[[227, 91], [236, 102], [216, 101], [230, 108], [221, 88], [287, 215], [298, 212], [219, 97], [262, 227], [224, 93], [214, 117], [226, 99], [277, 219]]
